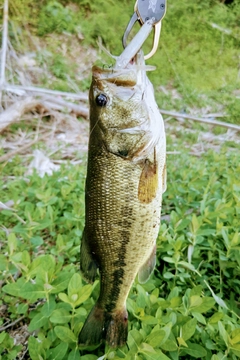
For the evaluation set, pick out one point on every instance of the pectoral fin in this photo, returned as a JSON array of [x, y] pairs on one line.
[[148, 183], [88, 265], [147, 268]]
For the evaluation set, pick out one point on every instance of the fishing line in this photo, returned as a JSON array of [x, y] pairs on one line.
[[177, 75]]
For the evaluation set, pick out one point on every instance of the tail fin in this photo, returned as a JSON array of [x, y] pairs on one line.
[[100, 325]]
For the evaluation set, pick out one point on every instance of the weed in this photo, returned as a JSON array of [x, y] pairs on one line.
[[186, 310]]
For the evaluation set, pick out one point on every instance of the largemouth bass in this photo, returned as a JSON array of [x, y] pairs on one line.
[[126, 176]]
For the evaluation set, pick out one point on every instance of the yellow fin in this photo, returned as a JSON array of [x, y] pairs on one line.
[[148, 183]]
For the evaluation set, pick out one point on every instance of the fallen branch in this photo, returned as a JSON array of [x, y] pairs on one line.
[[59, 104], [14, 113], [4, 327], [7, 206], [206, 121], [4, 47], [10, 154], [23, 89]]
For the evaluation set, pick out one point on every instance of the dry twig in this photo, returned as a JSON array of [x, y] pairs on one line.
[[21, 90], [10, 154], [14, 113], [59, 104], [4, 47], [206, 121], [2, 328], [7, 206]]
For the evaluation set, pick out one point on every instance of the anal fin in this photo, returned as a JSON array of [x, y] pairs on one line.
[[147, 268], [88, 265]]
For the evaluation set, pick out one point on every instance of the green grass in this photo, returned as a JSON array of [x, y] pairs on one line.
[[188, 309], [198, 53]]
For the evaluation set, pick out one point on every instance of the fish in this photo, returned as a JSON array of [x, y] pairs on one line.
[[126, 177]]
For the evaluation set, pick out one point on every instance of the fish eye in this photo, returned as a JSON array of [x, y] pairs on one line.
[[101, 100]]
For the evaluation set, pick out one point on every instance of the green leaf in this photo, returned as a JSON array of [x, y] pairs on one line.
[[58, 353], [12, 243], [148, 319], [26, 260], [183, 223], [48, 307], [154, 356], [34, 348], [236, 239], [168, 275], [175, 302], [235, 339], [14, 288], [2, 336], [174, 293], [155, 338], [22, 308], [235, 348], [36, 241], [60, 283], [195, 224], [142, 298], [134, 339], [195, 350], [188, 329], [169, 259], [169, 345], [215, 318], [144, 347], [196, 290], [207, 304], [181, 342], [218, 300], [195, 300], [167, 329], [83, 294], [223, 333], [75, 355], [187, 265], [159, 356], [81, 311], [64, 298], [74, 285], [43, 262], [3, 262], [65, 334], [225, 238], [32, 292], [60, 316], [199, 317], [37, 322]]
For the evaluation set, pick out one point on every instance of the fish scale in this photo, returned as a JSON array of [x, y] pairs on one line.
[[124, 185]]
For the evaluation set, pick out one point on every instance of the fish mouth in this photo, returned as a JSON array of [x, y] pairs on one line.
[[126, 77], [122, 77]]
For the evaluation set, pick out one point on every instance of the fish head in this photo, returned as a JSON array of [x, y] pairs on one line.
[[115, 95], [123, 109]]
